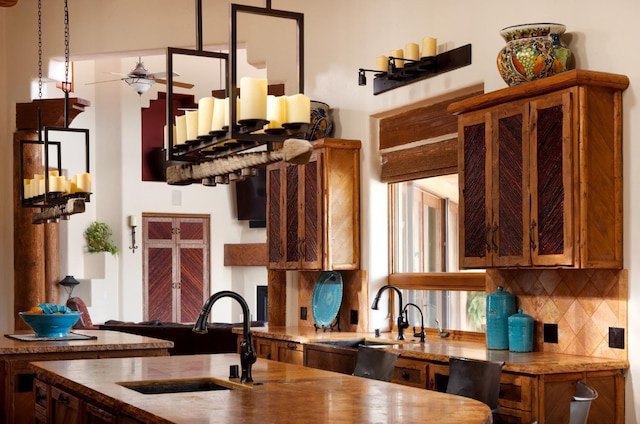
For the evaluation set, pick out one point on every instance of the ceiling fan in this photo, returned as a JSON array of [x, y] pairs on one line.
[[140, 79]]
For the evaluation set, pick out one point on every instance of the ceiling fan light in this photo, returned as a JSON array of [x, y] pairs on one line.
[[140, 85]]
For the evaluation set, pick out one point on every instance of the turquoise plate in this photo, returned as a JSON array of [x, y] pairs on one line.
[[327, 297]]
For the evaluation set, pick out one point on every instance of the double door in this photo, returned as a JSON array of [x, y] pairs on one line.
[[176, 266], [540, 182]]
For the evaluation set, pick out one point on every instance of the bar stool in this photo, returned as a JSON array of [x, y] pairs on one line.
[[375, 363], [475, 379]]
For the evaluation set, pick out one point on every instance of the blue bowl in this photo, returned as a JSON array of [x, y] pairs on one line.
[[50, 325]]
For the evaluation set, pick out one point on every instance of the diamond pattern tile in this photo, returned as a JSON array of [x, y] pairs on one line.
[[584, 304]]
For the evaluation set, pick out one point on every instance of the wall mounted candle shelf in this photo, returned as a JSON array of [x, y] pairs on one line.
[[414, 71]]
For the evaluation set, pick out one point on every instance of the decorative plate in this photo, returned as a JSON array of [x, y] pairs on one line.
[[327, 297]]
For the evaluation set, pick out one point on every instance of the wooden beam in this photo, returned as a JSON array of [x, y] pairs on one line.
[[52, 112], [248, 254]]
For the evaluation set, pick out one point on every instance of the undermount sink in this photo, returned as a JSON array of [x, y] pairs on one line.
[[354, 343], [156, 387]]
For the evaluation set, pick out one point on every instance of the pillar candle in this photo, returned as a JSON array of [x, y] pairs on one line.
[[205, 115], [298, 109], [429, 46], [217, 122], [276, 111], [227, 115], [192, 124], [27, 188], [133, 222], [62, 183], [253, 92], [382, 64], [181, 129], [84, 182], [412, 51], [398, 53]]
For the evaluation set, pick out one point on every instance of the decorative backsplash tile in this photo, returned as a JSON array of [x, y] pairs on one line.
[[583, 303]]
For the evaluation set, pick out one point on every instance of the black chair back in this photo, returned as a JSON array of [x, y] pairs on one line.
[[475, 379], [375, 363]]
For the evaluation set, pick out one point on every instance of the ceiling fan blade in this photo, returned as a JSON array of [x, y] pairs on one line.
[[118, 73], [99, 82], [175, 83], [163, 74]]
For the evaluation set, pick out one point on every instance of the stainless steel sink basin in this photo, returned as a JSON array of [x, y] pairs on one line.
[[354, 343], [156, 387]]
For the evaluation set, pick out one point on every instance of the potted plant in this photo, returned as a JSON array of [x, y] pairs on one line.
[[98, 236]]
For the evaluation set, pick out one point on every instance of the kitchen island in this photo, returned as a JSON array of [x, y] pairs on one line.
[[280, 393], [16, 379]]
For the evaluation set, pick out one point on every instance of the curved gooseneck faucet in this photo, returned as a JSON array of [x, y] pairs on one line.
[[402, 322], [247, 351], [421, 333]]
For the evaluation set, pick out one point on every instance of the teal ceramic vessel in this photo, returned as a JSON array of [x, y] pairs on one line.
[[520, 332], [500, 306]]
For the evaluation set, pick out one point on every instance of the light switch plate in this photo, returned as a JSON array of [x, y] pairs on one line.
[[616, 338], [551, 333]]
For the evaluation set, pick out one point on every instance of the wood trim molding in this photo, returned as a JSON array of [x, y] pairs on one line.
[[459, 281], [424, 161], [248, 254]]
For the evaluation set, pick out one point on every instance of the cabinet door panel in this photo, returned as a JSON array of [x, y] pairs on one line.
[[274, 215], [552, 181], [312, 223], [160, 278], [191, 283], [473, 192], [509, 188], [292, 213]]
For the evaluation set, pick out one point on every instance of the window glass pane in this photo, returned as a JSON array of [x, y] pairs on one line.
[[425, 239]]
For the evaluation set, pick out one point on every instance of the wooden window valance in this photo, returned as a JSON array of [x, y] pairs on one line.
[[421, 140]]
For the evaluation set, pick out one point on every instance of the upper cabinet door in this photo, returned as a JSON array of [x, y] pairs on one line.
[[552, 176]]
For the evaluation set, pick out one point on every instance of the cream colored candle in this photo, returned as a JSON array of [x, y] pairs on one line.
[[429, 46], [227, 115], [205, 115], [53, 183], [133, 222], [62, 183], [398, 53], [192, 124], [217, 122], [181, 129], [253, 92], [298, 109], [27, 188], [382, 64], [412, 51], [276, 111], [84, 182]]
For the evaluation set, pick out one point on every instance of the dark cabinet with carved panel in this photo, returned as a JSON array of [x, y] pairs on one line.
[[313, 210], [541, 174]]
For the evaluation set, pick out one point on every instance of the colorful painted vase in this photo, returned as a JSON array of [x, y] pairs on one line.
[[321, 124], [532, 51]]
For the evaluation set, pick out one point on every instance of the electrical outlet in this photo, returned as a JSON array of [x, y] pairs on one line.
[[354, 317], [303, 313], [551, 333], [616, 338]]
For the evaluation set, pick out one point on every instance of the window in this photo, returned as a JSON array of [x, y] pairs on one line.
[[424, 229]]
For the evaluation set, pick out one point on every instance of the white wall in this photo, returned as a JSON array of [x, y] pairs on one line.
[[341, 36]]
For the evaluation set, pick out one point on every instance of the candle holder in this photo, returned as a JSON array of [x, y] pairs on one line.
[[132, 225], [416, 70]]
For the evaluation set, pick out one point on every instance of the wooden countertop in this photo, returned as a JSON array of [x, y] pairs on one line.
[[105, 341], [280, 393], [438, 349]]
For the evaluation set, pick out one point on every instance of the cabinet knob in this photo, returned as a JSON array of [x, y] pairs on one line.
[[63, 399], [405, 375]]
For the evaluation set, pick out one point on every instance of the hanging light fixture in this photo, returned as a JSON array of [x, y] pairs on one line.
[[245, 132], [51, 191]]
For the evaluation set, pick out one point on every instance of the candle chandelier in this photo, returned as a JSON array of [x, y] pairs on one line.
[[218, 153], [57, 195]]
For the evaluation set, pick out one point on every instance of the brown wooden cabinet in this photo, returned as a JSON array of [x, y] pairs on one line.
[[277, 350], [176, 266], [313, 210], [541, 174], [64, 408], [330, 358]]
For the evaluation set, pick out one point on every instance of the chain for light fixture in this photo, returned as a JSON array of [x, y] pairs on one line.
[[39, 50], [66, 85]]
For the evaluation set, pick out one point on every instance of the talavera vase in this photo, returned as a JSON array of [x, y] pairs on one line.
[[532, 51]]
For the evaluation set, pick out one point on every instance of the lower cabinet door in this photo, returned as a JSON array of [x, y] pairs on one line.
[[65, 408]]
